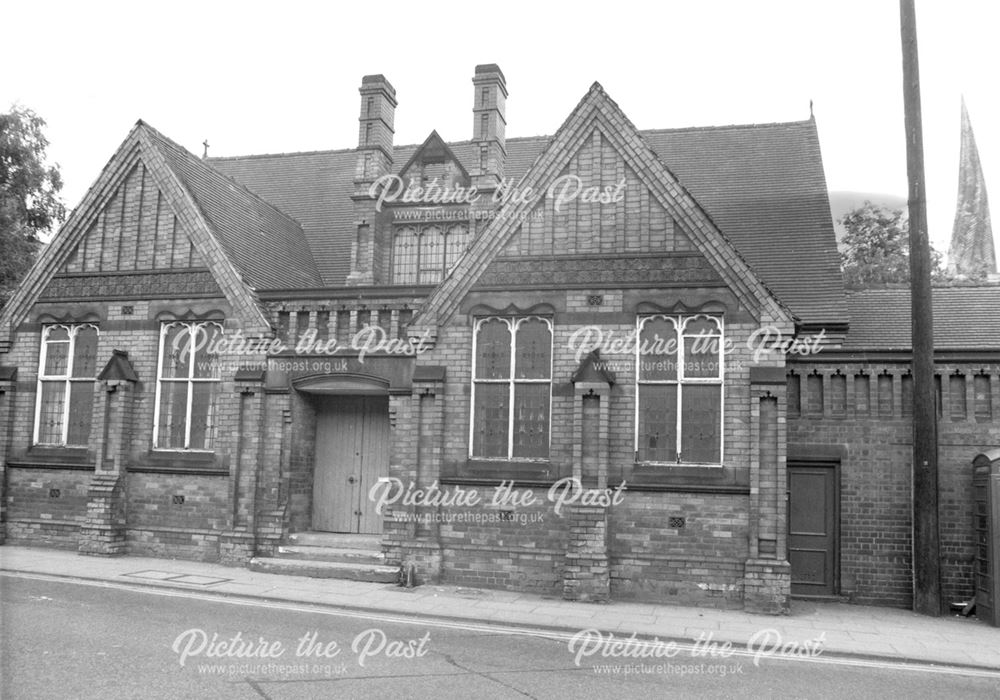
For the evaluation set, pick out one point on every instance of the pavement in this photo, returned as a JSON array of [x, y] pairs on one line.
[[830, 629]]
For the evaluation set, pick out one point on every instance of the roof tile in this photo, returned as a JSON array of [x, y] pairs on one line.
[[965, 318], [762, 185], [267, 246]]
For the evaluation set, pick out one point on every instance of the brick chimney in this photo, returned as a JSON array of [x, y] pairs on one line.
[[374, 159], [489, 129], [375, 130]]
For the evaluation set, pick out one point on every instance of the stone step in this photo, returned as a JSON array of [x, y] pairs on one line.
[[341, 554], [325, 569], [338, 540]]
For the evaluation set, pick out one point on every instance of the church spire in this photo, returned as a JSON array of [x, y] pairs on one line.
[[972, 252]]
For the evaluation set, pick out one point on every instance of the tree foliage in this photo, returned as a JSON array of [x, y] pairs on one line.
[[877, 248], [29, 195]]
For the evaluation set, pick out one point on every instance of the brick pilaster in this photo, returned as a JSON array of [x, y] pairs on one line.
[[586, 575], [103, 531], [8, 382]]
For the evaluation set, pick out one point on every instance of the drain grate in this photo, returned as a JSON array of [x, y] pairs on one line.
[[174, 577]]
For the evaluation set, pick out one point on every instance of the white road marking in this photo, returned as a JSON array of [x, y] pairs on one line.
[[487, 628]]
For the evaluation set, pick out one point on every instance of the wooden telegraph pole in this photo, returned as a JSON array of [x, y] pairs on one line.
[[926, 546]]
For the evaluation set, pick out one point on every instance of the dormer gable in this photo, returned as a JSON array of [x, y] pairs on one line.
[[434, 160]]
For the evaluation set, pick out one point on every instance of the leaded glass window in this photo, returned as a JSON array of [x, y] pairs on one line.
[[426, 255], [679, 389], [67, 369], [512, 388], [186, 386]]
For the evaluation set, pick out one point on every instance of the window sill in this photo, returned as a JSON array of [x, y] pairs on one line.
[[54, 457], [495, 470], [180, 462], [686, 477], [679, 465]]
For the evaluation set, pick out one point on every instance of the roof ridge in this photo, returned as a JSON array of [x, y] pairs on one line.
[[333, 151], [718, 127], [251, 156], [463, 142], [904, 288]]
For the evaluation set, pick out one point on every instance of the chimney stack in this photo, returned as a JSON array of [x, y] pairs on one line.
[[374, 159], [375, 132], [489, 129]]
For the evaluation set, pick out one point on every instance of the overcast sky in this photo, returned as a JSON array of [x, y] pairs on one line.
[[254, 77]]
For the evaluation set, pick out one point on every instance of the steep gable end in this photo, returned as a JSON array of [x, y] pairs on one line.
[[598, 138], [135, 246], [598, 204], [137, 232]]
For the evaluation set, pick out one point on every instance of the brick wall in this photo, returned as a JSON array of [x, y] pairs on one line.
[[700, 560], [134, 232], [679, 548], [46, 506], [176, 515], [869, 422]]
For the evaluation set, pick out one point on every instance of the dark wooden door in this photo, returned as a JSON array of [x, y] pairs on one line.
[[812, 529], [352, 452]]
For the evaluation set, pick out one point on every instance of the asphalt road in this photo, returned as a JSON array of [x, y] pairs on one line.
[[66, 639]]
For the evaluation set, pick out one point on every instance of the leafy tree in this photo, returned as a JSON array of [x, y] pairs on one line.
[[29, 195], [877, 248]]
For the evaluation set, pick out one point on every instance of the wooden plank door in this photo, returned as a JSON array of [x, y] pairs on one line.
[[375, 460], [812, 529], [338, 448], [352, 452]]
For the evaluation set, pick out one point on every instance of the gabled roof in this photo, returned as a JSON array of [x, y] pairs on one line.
[[763, 186], [435, 146], [213, 213], [266, 245], [598, 113], [965, 318]]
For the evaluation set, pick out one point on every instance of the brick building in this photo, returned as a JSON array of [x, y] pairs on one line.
[[545, 363]]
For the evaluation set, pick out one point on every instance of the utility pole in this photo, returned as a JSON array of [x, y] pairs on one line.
[[926, 545]]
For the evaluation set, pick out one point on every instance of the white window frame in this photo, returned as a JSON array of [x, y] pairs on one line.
[[513, 323], [194, 327], [72, 329], [680, 322]]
